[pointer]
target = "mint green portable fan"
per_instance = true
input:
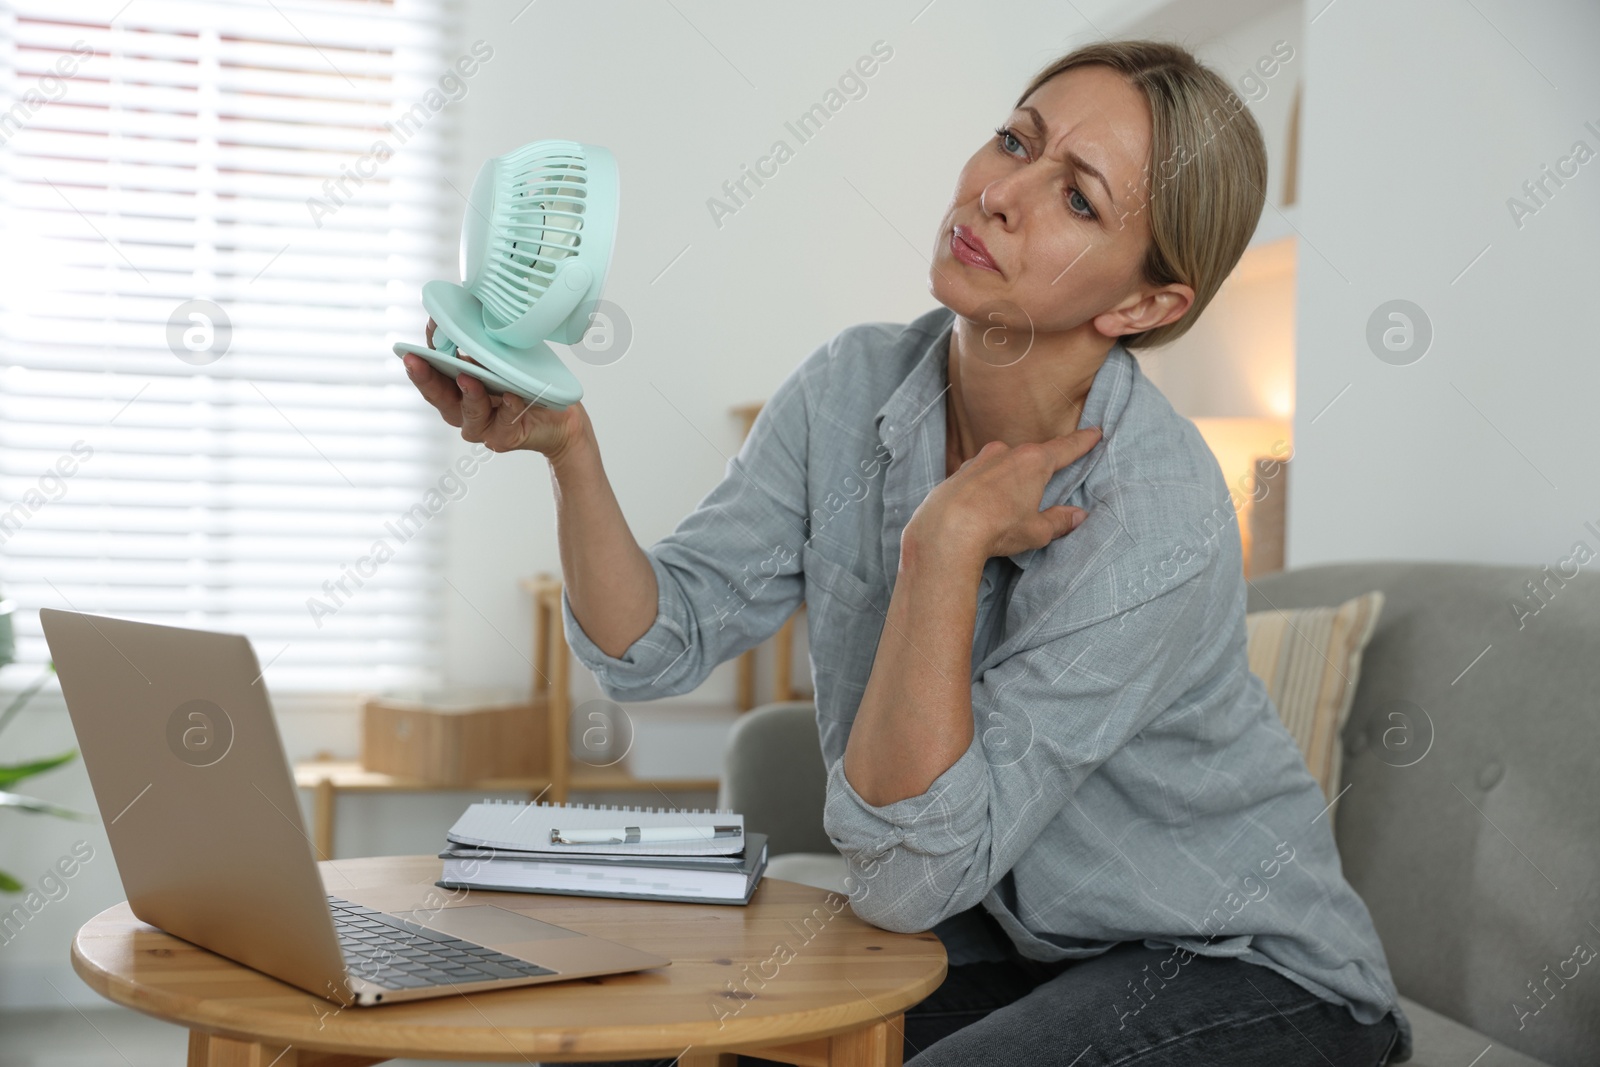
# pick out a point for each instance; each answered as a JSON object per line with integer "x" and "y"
{"x": 535, "y": 244}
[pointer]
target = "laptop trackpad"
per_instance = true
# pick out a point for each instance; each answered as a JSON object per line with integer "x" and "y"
{"x": 487, "y": 924}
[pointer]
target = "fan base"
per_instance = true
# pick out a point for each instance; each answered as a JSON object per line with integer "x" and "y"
{"x": 454, "y": 365}
{"x": 536, "y": 373}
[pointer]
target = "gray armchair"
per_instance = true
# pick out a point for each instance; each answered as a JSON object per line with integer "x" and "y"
{"x": 1468, "y": 821}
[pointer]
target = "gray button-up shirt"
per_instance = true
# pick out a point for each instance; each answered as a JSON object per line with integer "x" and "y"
{"x": 1128, "y": 776}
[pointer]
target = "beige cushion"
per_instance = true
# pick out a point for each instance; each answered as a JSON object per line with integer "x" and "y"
{"x": 1310, "y": 660}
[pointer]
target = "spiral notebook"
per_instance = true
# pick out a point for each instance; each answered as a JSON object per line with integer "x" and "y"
{"x": 526, "y": 827}
{"x": 701, "y": 879}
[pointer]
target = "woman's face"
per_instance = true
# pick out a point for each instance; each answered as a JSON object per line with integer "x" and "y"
{"x": 1058, "y": 203}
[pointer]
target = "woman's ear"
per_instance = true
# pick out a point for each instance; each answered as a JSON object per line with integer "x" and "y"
{"x": 1146, "y": 310}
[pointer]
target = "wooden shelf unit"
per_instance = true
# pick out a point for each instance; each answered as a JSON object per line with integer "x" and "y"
{"x": 782, "y": 642}
{"x": 328, "y": 776}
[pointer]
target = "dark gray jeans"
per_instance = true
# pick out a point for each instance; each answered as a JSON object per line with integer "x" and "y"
{"x": 1117, "y": 1008}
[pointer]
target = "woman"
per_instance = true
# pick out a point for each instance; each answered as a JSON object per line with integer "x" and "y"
{"x": 1026, "y": 609}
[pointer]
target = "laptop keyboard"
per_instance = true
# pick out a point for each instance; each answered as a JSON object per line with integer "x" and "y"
{"x": 389, "y": 952}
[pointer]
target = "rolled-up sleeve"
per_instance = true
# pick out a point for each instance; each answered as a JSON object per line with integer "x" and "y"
{"x": 663, "y": 643}
{"x": 1110, "y": 651}
{"x": 940, "y": 821}
{"x": 729, "y": 575}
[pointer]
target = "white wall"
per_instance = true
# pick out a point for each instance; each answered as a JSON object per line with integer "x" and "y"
{"x": 1421, "y": 119}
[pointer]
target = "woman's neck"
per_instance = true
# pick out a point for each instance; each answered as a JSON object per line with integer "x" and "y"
{"x": 1034, "y": 398}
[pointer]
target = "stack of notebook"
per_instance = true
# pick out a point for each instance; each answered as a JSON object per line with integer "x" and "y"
{"x": 599, "y": 850}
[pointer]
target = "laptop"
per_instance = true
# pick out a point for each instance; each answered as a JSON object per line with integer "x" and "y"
{"x": 200, "y": 806}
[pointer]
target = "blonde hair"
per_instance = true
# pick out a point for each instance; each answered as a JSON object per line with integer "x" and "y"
{"x": 1206, "y": 194}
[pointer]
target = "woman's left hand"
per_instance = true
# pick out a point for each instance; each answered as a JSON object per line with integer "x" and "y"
{"x": 990, "y": 505}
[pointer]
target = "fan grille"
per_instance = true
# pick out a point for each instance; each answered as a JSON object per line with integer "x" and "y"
{"x": 537, "y": 222}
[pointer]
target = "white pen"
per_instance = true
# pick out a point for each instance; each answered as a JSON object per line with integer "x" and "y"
{"x": 631, "y": 835}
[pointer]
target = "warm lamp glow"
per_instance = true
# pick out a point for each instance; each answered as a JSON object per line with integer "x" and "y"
{"x": 1236, "y": 443}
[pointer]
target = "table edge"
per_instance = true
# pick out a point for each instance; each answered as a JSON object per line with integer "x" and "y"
{"x": 659, "y": 1039}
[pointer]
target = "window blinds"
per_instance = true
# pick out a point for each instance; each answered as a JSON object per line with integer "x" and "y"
{"x": 216, "y": 219}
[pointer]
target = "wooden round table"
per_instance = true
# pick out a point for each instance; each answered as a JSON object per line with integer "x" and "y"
{"x": 793, "y": 976}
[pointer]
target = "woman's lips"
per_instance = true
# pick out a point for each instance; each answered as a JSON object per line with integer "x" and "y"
{"x": 965, "y": 246}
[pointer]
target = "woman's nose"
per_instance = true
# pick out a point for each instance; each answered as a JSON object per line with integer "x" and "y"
{"x": 997, "y": 200}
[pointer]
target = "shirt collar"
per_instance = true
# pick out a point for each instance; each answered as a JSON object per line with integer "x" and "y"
{"x": 911, "y": 423}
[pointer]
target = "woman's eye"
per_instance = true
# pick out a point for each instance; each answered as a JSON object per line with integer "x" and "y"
{"x": 1079, "y": 203}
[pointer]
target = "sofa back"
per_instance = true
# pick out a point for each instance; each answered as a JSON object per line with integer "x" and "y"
{"x": 773, "y": 775}
{"x": 1470, "y": 818}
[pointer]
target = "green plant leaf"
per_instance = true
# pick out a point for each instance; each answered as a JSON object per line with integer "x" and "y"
{"x": 9, "y": 884}
{"x": 16, "y": 772}
{"x": 22, "y": 698}
{"x": 43, "y": 807}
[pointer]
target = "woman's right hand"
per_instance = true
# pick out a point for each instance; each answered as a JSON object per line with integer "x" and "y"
{"x": 504, "y": 422}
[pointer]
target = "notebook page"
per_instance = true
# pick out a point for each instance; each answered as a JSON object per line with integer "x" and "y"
{"x": 526, "y": 826}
